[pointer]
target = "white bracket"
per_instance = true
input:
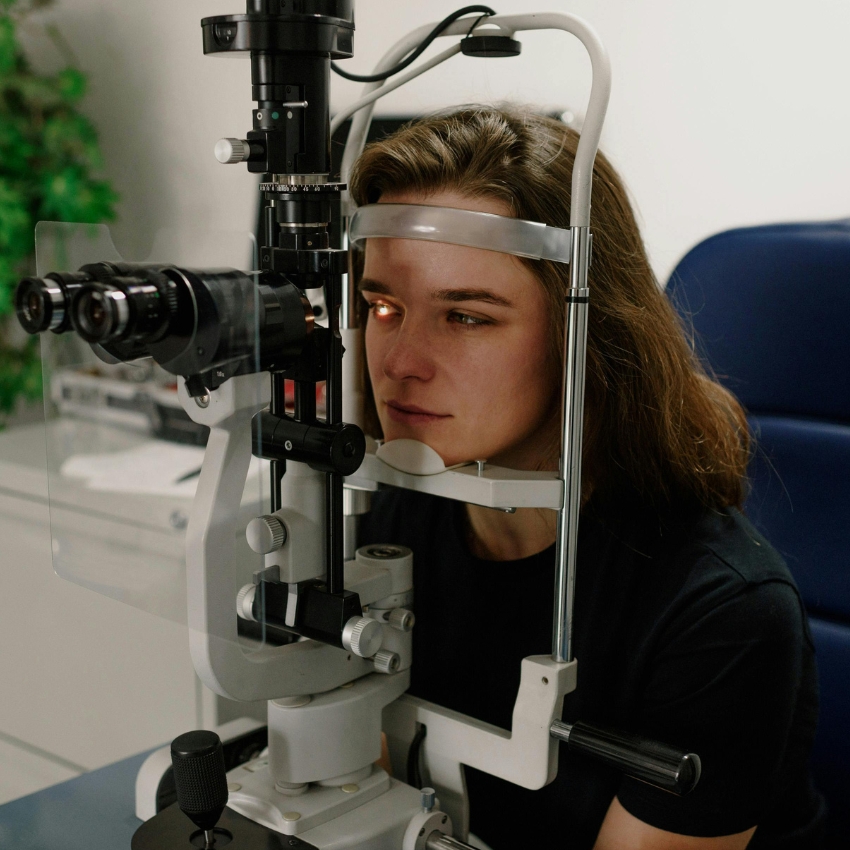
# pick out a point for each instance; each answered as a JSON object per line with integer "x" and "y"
{"x": 214, "y": 577}
{"x": 526, "y": 755}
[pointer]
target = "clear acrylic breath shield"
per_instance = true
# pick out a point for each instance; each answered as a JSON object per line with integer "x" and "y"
{"x": 123, "y": 456}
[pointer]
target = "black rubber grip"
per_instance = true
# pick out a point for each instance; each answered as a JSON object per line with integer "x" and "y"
{"x": 200, "y": 776}
{"x": 658, "y": 764}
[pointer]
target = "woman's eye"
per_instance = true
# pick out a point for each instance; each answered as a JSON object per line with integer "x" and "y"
{"x": 381, "y": 310}
{"x": 466, "y": 319}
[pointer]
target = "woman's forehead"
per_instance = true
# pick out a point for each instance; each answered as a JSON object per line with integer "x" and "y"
{"x": 447, "y": 198}
{"x": 411, "y": 265}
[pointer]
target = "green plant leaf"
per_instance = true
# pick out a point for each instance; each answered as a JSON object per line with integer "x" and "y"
{"x": 72, "y": 84}
{"x": 71, "y": 196}
{"x": 15, "y": 222}
{"x": 16, "y": 148}
{"x": 49, "y": 156}
{"x": 70, "y": 136}
{"x": 32, "y": 93}
{"x": 8, "y": 282}
{"x": 8, "y": 45}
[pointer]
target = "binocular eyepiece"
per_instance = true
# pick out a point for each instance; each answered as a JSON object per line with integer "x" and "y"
{"x": 189, "y": 321}
{"x": 42, "y": 303}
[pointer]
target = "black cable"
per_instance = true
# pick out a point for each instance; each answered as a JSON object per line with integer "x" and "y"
{"x": 414, "y": 775}
{"x": 484, "y": 12}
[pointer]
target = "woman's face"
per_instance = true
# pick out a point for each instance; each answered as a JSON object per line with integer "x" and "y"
{"x": 456, "y": 343}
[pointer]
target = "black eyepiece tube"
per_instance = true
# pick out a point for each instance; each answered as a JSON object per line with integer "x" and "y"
{"x": 43, "y": 303}
{"x": 661, "y": 765}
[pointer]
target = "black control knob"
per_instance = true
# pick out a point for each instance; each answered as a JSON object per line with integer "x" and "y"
{"x": 199, "y": 774}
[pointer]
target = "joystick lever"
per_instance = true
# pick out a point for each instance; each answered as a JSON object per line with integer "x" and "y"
{"x": 661, "y": 765}
{"x": 199, "y": 775}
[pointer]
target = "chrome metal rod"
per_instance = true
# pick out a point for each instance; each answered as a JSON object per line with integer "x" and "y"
{"x": 572, "y": 422}
{"x": 438, "y": 841}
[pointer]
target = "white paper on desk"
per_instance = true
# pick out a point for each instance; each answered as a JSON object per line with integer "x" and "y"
{"x": 153, "y": 468}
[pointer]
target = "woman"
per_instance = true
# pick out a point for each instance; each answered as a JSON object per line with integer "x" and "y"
{"x": 688, "y": 627}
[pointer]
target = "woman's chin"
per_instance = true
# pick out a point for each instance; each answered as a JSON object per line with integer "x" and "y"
{"x": 446, "y": 449}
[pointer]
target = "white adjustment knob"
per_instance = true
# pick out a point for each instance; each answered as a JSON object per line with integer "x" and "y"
{"x": 401, "y": 619}
{"x": 385, "y": 661}
{"x": 362, "y": 636}
{"x": 265, "y": 534}
{"x": 228, "y": 151}
{"x": 245, "y": 602}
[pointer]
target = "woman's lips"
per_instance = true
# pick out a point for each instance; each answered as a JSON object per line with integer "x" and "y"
{"x": 410, "y": 414}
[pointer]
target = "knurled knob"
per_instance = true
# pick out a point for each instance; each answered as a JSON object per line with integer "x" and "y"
{"x": 228, "y": 151}
{"x": 385, "y": 661}
{"x": 199, "y": 776}
{"x": 401, "y": 619}
{"x": 363, "y": 636}
{"x": 245, "y": 602}
{"x": 265, "y": 534}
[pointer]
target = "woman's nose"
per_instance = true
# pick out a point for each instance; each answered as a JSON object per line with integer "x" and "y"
{"x": 410, "y": 355}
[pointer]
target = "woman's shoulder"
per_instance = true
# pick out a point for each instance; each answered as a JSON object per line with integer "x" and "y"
{"x": 688, "y": 564}
{"x": 726, "y": 544}
{"x": 727, "y": 538}
{"x": 723, "y": 570}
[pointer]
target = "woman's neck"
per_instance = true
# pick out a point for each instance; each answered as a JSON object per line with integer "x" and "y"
{"x": 497, "y": 536}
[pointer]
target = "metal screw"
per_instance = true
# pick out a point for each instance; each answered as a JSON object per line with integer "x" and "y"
{"x": 259, "y": 116}
{"x": 178, "y": 520}
{"x": 429, "y": 797}
{"x": 203, "y": 401}
{"x": 288, "y": 445}
{"x": 324, "y": 264}
{"x": 480, "y": 464}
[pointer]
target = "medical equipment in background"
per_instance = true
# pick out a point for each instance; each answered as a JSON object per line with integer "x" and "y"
{"x": 235, "y": 338}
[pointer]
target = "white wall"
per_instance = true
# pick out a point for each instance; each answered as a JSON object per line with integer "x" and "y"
{"x": 723, "y": 113}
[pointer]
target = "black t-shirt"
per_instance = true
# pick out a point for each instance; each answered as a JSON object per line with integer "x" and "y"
{"x": 687, "y": 629}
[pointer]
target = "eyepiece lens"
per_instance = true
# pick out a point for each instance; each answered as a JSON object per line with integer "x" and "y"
{"x": 33, "y": 306}
{"x": 93, "y": 316}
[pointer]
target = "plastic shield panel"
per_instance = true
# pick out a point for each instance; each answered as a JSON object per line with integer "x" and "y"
{"x": 124, "y": 457}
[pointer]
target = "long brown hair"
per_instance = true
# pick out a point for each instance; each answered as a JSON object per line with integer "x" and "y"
{"x": 656, "y": 421}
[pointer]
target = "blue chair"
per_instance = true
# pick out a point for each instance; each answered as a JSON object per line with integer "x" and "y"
{"x": 771, "y": 309}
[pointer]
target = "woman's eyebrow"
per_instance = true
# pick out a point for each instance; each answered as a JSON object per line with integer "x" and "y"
{"x": 460, "y": 295}
{"x": 455, "y": 296}
{"x": 366, "y": 284}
